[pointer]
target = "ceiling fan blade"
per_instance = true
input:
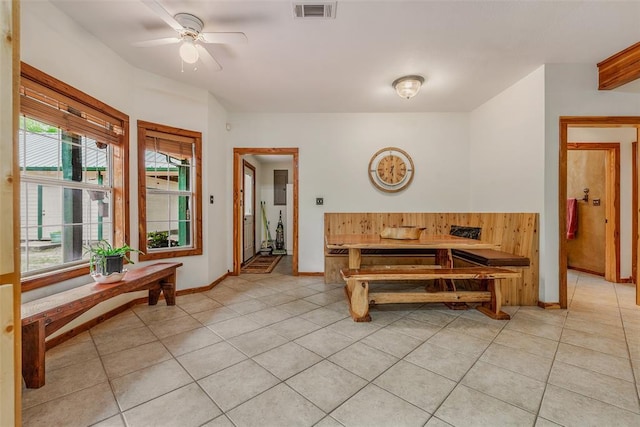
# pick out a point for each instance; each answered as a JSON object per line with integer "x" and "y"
{"x": 225, "y": 38}
{"x": 208, "y": 60}
{"x": 163, "y": 14}
{"x": 157, "y": 42}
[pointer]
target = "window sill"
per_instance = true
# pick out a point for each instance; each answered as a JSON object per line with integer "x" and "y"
{"x": 169, "y": 253}
{"x": 51, "y": 278}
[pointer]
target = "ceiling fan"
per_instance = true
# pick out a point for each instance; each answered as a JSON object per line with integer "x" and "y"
{"x": 190, "y": 35}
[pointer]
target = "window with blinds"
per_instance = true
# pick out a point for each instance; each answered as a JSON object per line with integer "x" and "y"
{"x": 71, "y": 159}
{"x": 169, "y": 191}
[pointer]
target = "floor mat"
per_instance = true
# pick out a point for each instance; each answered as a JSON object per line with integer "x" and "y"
{"x": 261, "y": 264}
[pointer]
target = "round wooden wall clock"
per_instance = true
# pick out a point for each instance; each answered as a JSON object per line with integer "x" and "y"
{"x": 391, "y": 169}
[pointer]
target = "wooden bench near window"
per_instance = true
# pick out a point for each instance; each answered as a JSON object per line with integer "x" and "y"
{"x": 42, "y": 317}
{"x": 359, "y": 295}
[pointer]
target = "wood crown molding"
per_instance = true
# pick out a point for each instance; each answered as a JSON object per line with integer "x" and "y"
{"x": 619, "y": 69}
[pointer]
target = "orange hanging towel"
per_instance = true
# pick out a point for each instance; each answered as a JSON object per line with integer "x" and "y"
{"x": 572, "y": 218}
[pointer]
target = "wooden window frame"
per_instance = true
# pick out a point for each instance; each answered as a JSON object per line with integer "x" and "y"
{"x": 30, "y": 76}
{"x": 170, "y": 252}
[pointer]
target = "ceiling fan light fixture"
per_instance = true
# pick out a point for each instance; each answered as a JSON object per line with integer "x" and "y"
{"x": 188, "y": 51}
{"x": 408, "y": 86}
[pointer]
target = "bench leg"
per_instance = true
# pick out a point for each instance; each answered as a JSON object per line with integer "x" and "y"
{"x": 33, "y": 349}
{"x": 169, "y": 291}
{"x": 358, "y": 298}
{"x": 493, "y": 308}
{"x": 154, "y": 294}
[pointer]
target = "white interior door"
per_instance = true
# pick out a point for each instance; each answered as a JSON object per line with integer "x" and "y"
{"x": 249, "y": 209}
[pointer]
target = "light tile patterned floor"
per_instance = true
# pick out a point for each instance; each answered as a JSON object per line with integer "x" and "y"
{"x": 278, "y": 350}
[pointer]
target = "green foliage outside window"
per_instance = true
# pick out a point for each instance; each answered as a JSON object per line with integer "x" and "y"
{"x": 160, "y": 239}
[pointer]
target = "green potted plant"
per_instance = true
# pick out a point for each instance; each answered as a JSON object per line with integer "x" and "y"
{"x": 106, "y": 262}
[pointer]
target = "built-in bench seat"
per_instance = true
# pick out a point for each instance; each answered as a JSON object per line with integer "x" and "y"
{"x": 360, "y": 295}
{"x": 491, "y": 258}
{"x": 44, "y": 316}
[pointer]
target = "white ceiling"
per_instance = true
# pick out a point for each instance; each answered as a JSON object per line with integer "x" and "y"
{"x": 468, "y": 51}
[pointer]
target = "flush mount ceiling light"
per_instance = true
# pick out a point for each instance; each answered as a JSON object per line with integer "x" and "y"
{"x": 408, "y": 86}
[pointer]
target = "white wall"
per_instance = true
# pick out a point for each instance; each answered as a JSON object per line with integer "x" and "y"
{"x": 93, "y": 68}
{"x": 570, "y": 90}
{"x": 335, "y": 150}
{"x": 218, "y": 218}
{"x": 507, "y": 152}
{"x": 625, "y": 136}
{"x": 507, "y": 149}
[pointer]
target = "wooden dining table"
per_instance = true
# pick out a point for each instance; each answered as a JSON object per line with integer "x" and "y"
{"x": 441, "y": 243}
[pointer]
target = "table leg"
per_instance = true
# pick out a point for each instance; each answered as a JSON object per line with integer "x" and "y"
{"x": 445, "y": 260}
{"x": 355, "y": 258}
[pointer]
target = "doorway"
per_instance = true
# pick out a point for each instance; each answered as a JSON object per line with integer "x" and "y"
{"x": 248, "y": 209}
{"x": 565, "y": 124}
{"x": 238, "y": 212}
{"x": 596, "y": 246}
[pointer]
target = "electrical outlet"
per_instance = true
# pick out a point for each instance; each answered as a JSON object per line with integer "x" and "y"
{"x": 596, "y": 202}
{"x": 211, "y": 199}
{"x": 319, "y": 201}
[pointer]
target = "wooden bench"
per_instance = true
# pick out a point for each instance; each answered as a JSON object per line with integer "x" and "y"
{"x": 359, "y": 297}
{"x": 42, "y": 317}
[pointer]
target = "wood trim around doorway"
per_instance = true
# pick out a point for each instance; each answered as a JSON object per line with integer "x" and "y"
{"x": 237, "y": 211}
{"x": 248, "y": 165}
{"x": 564, "y": 124}
{"x": 634, "y": 211}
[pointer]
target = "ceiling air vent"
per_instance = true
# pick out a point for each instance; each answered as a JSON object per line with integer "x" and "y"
{"x": 316, "y": 9}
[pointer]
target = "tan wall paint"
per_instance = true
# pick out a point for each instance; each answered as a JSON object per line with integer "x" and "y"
{"x": 586, "y": 169}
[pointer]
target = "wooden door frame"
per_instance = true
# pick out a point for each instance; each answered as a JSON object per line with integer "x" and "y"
{"x": 565, "y": 123}
{"x": 246, "y": 164}
{"x": 237, "y": 211}
{"x": 10, "y": 290}
{"x": 634, "y": 212}
{"x": 612, "y": 210}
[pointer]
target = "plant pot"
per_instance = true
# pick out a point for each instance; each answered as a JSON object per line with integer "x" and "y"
{"x": 56, "y": 236}
{"x": 111, "y": 278}
{"x": 109, "y": 264}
